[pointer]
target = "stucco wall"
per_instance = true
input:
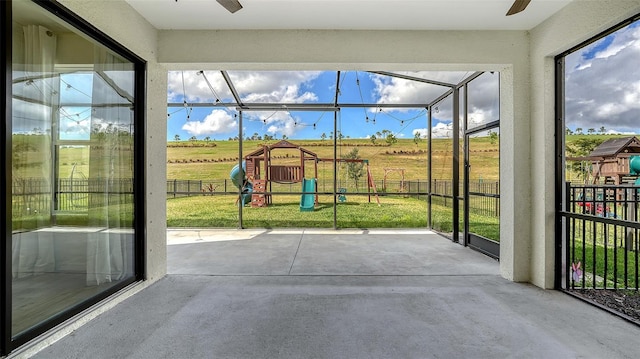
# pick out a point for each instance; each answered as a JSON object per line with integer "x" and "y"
{"x": 576, "y": 23}
{"x": 118, "y": 20}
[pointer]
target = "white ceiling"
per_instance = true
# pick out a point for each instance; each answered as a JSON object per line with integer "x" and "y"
{"x": 346, "y": 14}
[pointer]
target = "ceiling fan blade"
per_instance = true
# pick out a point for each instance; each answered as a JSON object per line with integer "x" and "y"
{"x": 518, "y": 6}
{"x": 231, "y": 5}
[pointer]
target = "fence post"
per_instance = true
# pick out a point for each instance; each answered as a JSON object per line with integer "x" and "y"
{"x": 633, "y": 216}
{"x": 175, "y": 187}
{"x": 497, "y": 199}
{"x": 445, "y": 193}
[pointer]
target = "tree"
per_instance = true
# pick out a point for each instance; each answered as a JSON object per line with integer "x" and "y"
{"x": 591, "y": 131}
{"x": 391, "y": 139}
{"x": 176, "y": 138}
{"x": 192, "y": 138}
{"x": 323, "y": 136}
{"x": 331, "y": 135}
{"x": 207, "y": 138}
{"x": 284, "y": 137}
{"x": 568, "y": 131}
{"x": 416, "y": 138}
{"x": 355, "y": 170}
{"x": 373, "y": 139}
{"x": 581, "y": 148}
{"x": 578, "y": 131}
{"x": 603, "y": 130}
{"x": 493, "y": 137}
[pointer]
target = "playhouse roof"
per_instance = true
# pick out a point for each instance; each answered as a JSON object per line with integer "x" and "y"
{"x": 280, "y": 144}
{"x": 614, "y": 146}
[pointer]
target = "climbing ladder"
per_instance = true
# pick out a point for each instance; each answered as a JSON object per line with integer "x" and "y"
{"x": 260, "y": 199}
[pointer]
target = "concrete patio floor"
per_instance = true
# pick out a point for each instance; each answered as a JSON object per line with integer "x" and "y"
{"x": 342, "y": 294}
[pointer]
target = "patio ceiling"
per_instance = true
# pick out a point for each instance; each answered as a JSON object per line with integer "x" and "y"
{"x": 346, "y": 14}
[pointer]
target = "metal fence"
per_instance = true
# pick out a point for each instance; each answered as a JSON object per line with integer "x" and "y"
{"x": 601, "y": 230}
{"x": 484, "y": 197}
{"x": 37, "y": 195}
{"x": 31, "y": 196}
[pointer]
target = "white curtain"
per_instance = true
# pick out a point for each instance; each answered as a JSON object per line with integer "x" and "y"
{"x": 106, "y": 254}
{"x": 107, "y": 251}
{"x": 32, "y": 252}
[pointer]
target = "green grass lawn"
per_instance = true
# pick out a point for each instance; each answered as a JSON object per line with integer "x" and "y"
{"x": 284, "y": 212}
{"x": 609, "y": 265}
{"x": 220, "y": 211}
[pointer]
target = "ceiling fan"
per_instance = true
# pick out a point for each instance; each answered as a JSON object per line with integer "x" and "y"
{"x": 231, "y": 5}
{"x": 234, "y": 5}
{"x": 518, "y": 6}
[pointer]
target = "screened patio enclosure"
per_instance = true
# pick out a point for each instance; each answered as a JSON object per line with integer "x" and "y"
{"x": 598, "y": 171}
{"x": 452, "y": 175}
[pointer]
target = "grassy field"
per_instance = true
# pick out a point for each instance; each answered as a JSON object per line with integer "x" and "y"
{"x": 214, "y": 160}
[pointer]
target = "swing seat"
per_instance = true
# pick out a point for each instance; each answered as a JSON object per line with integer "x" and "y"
{"x": 341, "y": 196}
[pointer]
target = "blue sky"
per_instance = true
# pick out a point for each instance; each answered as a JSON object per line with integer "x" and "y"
{"x": 356, "y": 87}
{"x": 603, "y": 84}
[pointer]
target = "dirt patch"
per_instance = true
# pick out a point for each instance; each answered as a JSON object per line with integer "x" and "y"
{"x": 626, "y": 302}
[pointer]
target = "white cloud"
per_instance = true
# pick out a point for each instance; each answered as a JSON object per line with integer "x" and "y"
{"x": 479, "y": 116}
{"x": 217, "y": 122}
{"x": 603, "y": 84}
{"x": 285, "y": 94}
{"x": 274, "y": 86}
{"x": 424, "y": 132}
{"x": 252, "y": 86}
{"x": 286, "y": 126}
{"x": 390, "y": 90}
{"x": 72, "y": 126}
{"x": 193, "y": 87}
{"x": 442, "y": 130}
{"x": 614, "y": 132}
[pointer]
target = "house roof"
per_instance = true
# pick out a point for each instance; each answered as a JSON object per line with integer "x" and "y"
{"x": 614, "y": 146}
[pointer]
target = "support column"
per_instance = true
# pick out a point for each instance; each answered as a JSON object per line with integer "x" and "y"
{"x": 515, "y": 174}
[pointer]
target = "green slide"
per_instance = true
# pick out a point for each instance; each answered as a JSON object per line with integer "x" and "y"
{"x": 634, "y": 168}
{"x": 307, "y": 201}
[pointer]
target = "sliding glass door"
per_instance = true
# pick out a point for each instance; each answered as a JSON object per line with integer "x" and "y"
{"x": 72, "y": 125}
